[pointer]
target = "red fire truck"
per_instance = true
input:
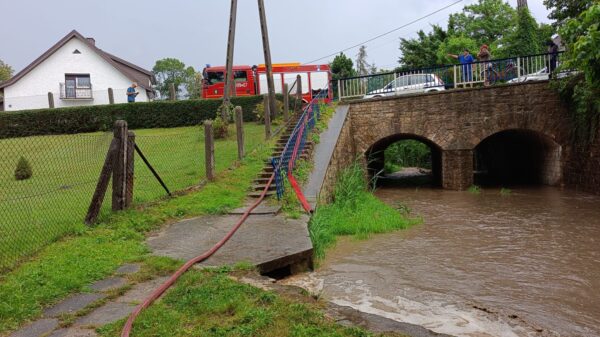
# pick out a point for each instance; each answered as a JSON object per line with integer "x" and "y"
{"x": 252, "y": 80}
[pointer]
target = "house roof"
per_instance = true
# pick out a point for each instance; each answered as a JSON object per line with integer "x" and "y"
{"x": 130, "y": 70}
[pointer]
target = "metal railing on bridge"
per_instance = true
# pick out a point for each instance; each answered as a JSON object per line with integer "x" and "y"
{"x": 508, "y": 70}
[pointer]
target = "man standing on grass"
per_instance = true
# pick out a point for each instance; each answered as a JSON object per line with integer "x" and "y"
{"x": 131, "y": 93}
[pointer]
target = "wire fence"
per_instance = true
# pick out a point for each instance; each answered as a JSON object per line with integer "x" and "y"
{"x": 47, "y": 182}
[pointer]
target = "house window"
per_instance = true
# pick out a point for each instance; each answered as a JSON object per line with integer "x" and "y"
{"x": 77, "y": 86}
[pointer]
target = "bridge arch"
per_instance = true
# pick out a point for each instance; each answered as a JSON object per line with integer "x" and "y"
{"x": 375, "y": 154}
{"x": 518, "y": 157}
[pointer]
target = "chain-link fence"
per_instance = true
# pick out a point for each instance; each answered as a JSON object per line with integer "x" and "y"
{"x": 47, "y": 182}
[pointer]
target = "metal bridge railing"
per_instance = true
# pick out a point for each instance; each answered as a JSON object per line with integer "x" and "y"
{"x": 446, "y": 77}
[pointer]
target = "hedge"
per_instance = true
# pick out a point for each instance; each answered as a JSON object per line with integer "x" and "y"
{"x": 142, "y": 115}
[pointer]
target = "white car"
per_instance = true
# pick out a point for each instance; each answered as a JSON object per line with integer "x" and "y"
{"x": 409, "y": 84}
{"x": 540, "y": 75}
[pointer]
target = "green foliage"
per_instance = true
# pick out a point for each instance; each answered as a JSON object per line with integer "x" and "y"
{"x": 455, "y": 45}
{"x": 23, "y": 170}
{"x": 143, "y": 115}
{"x": 342, "y": 67}
{"x": 562, "y": 10}
{"x": 193, "y": 85}
{"x": 6, "y": 71}
{"x": 220, "y": 128}
{"x": 487, "y": 21}
{"x": 474, "y": 189}
{"x": 354, "y": 211}
{"x": 505, "y": 192}
{"x": 407, "y": 153}
{"x": 525, "y": 40}
{"x": 362, "y": 65}
{"x": 172, "y": 71}
{"x": 422, "y": 51}
{"x": 259, "y": 111}
{"x": 582, "y": 38}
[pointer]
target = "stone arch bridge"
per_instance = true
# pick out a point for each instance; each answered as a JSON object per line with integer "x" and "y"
{"x": 518, "y": 133}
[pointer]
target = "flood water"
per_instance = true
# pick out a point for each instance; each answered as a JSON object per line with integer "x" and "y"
{"x": 522, "y": 264}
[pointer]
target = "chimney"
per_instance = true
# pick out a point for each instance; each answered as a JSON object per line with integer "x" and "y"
{"x": 521, "y": 3}
{"x": 93, "y": 42}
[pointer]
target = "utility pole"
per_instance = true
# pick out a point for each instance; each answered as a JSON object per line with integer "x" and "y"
{"x": 229, "y": 84}
{"x": 521, "y": 4}
{"x": 267, "y": 51}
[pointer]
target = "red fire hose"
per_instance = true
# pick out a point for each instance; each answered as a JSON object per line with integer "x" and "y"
{"x": 158, "y": 292}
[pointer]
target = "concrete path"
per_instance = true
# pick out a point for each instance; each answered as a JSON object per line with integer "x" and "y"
{"x": 322, "y": 154}
{"x": 268, "y": 241}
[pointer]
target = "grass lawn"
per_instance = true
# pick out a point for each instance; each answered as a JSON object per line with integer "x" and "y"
{"x": 210, "y": 303}
{"x": 54, "y": 201}
{"x": 90, "y": 254}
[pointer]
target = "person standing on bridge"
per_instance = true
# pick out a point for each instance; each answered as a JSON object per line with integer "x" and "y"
{"x": 484, "y": 56}
{"x": 466, "y": 59}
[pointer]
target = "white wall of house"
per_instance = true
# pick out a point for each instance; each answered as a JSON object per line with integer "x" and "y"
{"x": 31, "y": 91}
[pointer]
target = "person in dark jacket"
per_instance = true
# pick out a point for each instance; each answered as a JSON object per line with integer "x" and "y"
{"x": 552, "y": 57}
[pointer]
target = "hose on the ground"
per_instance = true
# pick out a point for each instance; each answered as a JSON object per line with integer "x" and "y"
{"x": 158, "y": 292}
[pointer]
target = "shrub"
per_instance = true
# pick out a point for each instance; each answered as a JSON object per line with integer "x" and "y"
{"x": 142, "y": 115}
{"x": 259, "y": 111}
{"x": 23, "y": 170}
{"x": 220, "y": 128}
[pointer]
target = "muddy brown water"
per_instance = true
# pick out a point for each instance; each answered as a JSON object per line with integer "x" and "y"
{"x": 523, "y": 264}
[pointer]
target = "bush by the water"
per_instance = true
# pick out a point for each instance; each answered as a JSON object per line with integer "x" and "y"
{"x": 23, "y": 170}
{"x": 142, "y": 115}
{"x": 407, "y": 153}
{"x": 354, "y": 211}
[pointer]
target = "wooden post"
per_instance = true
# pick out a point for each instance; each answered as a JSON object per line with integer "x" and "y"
{"x": 51, "y": 100}
{"x": 229, "y": 83}
{"x": 209, "y": 150}
{"x": 286, "y": 103}
{"x": 267, "y": 117}
{"x": 111, "y": 96}
{"x": 239, "y": 128}
{"x": 172, "y": 95}
{"x": 299, "y": 91}
{"x": 120, "y": 167}
{"x": 102, "y": 184}
{"x": 267, "y": 53}
{"x": 130, "y": 168}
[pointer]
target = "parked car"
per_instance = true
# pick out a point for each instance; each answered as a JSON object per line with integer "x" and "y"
{"x": 409, "y": 84}
{"x": 540, "y": 75}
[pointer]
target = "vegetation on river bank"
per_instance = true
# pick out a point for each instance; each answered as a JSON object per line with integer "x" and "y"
{"x": 354, "y": 211}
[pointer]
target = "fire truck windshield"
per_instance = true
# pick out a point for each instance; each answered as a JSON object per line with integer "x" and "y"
{"x": 215, "y": 77}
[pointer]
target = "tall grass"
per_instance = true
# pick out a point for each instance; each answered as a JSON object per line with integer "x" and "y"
{"x": 354, "y": 211}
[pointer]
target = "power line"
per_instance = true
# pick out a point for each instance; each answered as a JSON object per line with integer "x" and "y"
{"x": 386, "y": 33}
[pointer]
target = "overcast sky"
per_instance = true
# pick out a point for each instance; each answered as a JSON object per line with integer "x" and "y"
{"x": 195, "y": 31}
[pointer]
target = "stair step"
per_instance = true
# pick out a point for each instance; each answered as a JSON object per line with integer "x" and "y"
{"x": 260, "y": 187}
{"x": 258, "y": 194}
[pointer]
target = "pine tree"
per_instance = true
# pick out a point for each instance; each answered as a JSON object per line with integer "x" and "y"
{"x": 23, "y": 170}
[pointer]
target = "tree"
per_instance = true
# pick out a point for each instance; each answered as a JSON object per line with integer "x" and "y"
{"x": 525, "y": 40}
{"x": 487, "y": 21}
{"x": 422, "y": 51}
{"x": 562, "y": 10}
{"x": 342, "y": 67}
{"x": 193, "y": 84}
{"x": 362, "y": 66}
{"x": 6, "y": 71}
{"x": 171, "y": 70}
{"x": 455, "y": 45}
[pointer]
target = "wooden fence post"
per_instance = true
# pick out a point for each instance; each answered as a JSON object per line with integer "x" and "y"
{"x": 172, "y": 95}
{"x": 299, "y": 91}
{"x": 102, "y": 184}
{"x": 130, "y": 172}
{"x": 209, "y": 151}
{"x": 120, "y": 167}
{"x": 239, "y": 127}
{"x": 50, "y": 100}
{"x": 267, "y": 116}
{"x": 111, "y": 96}
{"x": 286, "y": 102}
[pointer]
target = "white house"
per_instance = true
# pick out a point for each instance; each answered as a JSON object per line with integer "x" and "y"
{"x": 76, "y": 72}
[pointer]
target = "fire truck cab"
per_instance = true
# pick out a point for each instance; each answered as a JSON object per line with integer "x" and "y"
{"x": 252, "y": 80}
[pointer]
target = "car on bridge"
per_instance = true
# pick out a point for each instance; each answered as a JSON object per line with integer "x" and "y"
{"x": 409, "y": 84}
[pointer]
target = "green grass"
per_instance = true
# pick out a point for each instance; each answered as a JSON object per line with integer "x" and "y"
{"x": 505, "y": 192}
{"x": 90, "y": 254}
{"x": 474, "y": 189}
{"x": 53, "y": 203}
{"x": 210, "y": 303}
{"x": 354, "y": 211}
